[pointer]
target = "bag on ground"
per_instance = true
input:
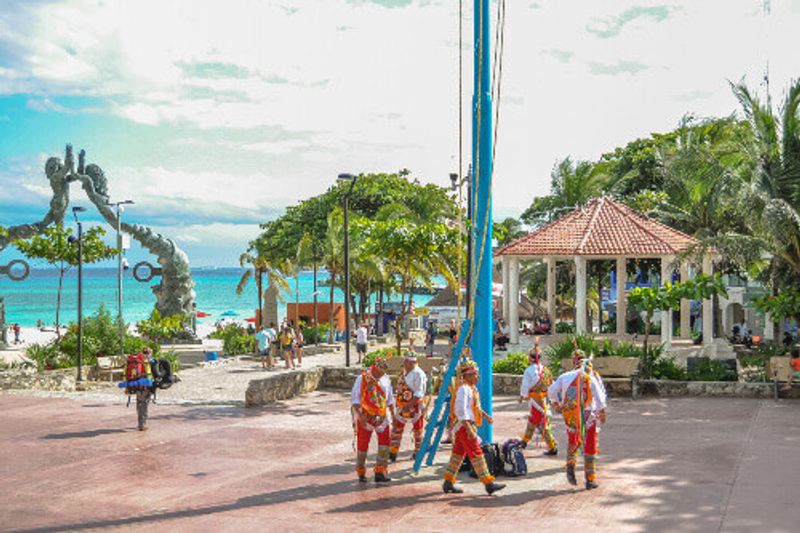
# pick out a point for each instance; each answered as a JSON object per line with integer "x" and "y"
{"x": 491, "y": 453}
{"x": 514, "y": 459}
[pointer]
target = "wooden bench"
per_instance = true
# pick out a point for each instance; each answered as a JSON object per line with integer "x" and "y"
{"x": 111, "y": 368}
{"x": 620, "y": 374}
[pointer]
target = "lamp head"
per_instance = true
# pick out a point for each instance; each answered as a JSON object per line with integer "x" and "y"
{"x": 454, "y": 180}
{"x": 346, "y": 177}
{"x": 78, "y": 209}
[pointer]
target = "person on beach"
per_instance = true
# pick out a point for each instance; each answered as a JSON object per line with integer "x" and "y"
{"x": 372, "y": 402}
{"x": 361, "y": 341}
{"x": 287, "y": 339}
{"x": 535, "y": 382}
{"x": 581, "y": 397}
{"x": 409, "y": 405}
{"x": 466, "y": 405}
{"x": 17, "y": 331}
{"x": 298, "y": 344}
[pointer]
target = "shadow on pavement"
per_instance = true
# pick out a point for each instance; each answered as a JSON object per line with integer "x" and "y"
{"x": 84, "y": 434}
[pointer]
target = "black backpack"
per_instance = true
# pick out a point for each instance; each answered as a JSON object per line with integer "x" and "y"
{"x": 163, "y": 378}
{"x": 514, "y": 459}
{"x": 494, "y": 462}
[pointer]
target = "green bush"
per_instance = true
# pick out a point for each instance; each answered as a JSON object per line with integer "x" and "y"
{"x": 310, "y": 335}
{"x": 172, "y": 357}
{"x": 667, "y": 368}
{"x": 565, "y": 327}
{"x": 381, "y": 352}
{"x": 236, "y": 340}
{"x": 772, "y": 350}
{"x": 44, "y": 356}
{"x": 752, "y": 360}
{"x": 707, "y": 369}
{"x": 513, "y": 363}
{"x": 162, "y": 329}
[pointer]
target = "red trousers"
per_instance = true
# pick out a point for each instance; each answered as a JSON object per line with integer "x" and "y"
{"x": 464, "y": 444}
{"x": 590, "y": 441}
{"x": 365, "y": 435}
{"x": 536, "y": 418}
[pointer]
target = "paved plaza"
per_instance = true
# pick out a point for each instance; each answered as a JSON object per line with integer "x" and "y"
{"x": 77, "y": 463}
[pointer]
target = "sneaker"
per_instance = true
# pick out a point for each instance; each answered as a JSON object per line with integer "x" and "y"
{"x": 571, "y": 475}
{"x": 414, "y": 456}
{"x": 448, "y": 488}
{"x": 591, "y": 485}
{"x": 362, "y": 479}
{"x": 143, "y": 428}
{"x": 382, "y": 478}
{"x": 554, "y": 451}
{"x": 393, "y": 457}
{"x": 493, "y": 487}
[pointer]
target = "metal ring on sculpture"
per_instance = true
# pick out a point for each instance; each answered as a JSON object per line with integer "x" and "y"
{"x": 151, "y": 272}
{"x": 9, "y": 269}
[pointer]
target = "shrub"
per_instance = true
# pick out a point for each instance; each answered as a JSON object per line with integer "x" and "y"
{"x": 44, "y": 356}
{"x": 772, "y": 350}
{"x": 236, "y": 340}
{"x": 705, "y": 369}
{"x": 161, "y": 329}
{"x": 381, "y": 352}
{"x": 513, "y": 363}
{"x": 172, "y": 357}
{"x": 565, "y": 327}
{"x": 310, "y": 335}
{"x": 667, "y": 368}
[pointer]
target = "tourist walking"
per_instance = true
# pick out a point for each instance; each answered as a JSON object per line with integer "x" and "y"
{"x": 299, "y": 342}
{"x": 535, "y": 382}
{"x": 581, "y": 397}
{"x": 362, "y": 337}
{"x": 466, "y": 405}
{"x": 264, "y": 338}
{"x": 409, "y": 405}
{"x": 287, "y": 349}
{"x": 372, "y": 401}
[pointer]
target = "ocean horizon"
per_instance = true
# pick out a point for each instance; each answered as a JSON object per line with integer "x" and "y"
{"x": 34, "y": 298}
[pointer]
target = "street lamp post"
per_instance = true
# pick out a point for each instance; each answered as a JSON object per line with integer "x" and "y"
{"x": 352, "y": 179}
{"x": 75, "y": 211}
{"x": 120, "y": 209}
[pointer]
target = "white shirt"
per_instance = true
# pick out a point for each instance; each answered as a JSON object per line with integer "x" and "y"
{"x": 417, "y": 381}
{"x": 463, "y": 405}
{"x": 506, "y": 330}
{"x": 558, "y": 390}
{"x": 385, "y": 383}
{"x": 529, "y": 379}
{"x": 361, "y": 335}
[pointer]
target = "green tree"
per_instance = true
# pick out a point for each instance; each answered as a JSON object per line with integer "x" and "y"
{"x": 507, "y": 231}
{"x": 572, "y": 184}
{"x": 257, "y": 265}
{"x": 667, "y": 297}
{"x": 53, "y": 246}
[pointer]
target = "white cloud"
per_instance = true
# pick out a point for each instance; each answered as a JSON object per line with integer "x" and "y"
{"x": 580, "y": 78}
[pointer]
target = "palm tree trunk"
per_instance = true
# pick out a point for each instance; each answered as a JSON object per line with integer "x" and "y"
{"x": 379, "y": 328}
{"x": 260, "y": 291}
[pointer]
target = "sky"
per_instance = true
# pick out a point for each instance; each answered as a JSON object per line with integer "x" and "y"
{"x": 214, "y": 116}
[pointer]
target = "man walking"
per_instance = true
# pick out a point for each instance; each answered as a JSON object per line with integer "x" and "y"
{"x": 409, "y": 405}
{"x": 466, "y": 406}
{"x": 371, "y": 398}
{"x": 362, "y": 336}
{"x": 581, "y": 397}
{"x": 535, "y": 382}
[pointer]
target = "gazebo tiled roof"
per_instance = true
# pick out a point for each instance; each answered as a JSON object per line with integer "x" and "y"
{"x": 603, "y": 227}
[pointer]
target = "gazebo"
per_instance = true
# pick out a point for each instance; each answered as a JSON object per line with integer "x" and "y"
{"x": 603, "y": 229}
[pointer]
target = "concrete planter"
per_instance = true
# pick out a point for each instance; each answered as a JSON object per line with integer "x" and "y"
{"x": 719, "y": 389}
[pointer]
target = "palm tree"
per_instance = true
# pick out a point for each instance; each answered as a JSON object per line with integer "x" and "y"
{"x": 572, "y": 184}
{"x": 773, "y": 194}
{"x": 257, "y": 266}
{"x": 333, "y": 257}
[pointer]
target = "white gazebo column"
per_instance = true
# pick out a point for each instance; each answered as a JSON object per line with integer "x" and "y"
{"x": 666, "y": 316}
{"x": 513, "y": 300}
{"x": 580, "y": 294}
{"x": 622, "y": 299}
{"x": 551, "y": 291}
{"x": 686, "y": 306}
{"x": 708, "y": 313}
{"x": 506, "y": 288}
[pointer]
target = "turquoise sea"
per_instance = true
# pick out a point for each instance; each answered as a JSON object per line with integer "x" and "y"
{"x": 35, "y": 298}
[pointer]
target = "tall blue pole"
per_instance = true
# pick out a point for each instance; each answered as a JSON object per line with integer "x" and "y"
{"x": 481, "y": 341}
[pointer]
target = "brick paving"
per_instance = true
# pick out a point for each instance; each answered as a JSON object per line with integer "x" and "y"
{"x": 667, "y": 465}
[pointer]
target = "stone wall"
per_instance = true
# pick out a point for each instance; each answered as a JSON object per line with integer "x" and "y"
{"x": 50, "y": 380}
{"x": 282, "y": 386}
{"x": 724, "y": 389}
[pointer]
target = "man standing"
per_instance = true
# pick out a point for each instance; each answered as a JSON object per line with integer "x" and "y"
{"x": 143, "y": 391}
{"x": 362, "y": 335}
{"x": 264, "y": 338}
{"x": 466, "y": 405}
{"x": 581, "y": 396}
{"x": 409, "y": 405}
{"x": 371, "y": 398}
{"x": 535, "y": 381}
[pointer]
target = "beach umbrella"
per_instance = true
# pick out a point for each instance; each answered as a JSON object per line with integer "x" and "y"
{"x": 253, "y": 320}
{"x": 202, "y": 314}
{"x": 230, "y": 313}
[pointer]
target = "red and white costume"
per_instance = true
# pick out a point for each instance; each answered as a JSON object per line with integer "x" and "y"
{"x": 371, "y": 398}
